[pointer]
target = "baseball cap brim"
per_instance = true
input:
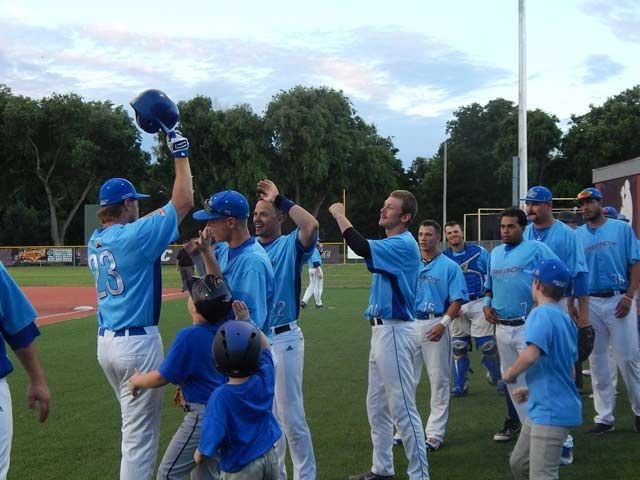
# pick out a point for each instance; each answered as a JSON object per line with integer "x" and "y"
{"x": 534, "y": 200}
{"x": 203, "y": 215}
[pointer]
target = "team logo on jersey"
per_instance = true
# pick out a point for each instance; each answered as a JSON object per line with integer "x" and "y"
{"x": 98, "y": 242}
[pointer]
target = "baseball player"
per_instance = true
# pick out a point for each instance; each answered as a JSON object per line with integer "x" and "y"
{"x": 441, "y": 292}
{"x": 184, "y": 265}
{"x": 238, "y": 421}
{"x": 612, "y": 254}
{"x": 553, "y": 401}
{"x": 18, "y": 329}
{"x": 188, "y": 364}
{"x": 316, "y": 279}
{"x": 474, "y": 262}
{"x": 287, "y": 254}
{"x": 508, "y": 301}
{"x": 563, "y": 241}
{"x": 124, "y": 257}
{"x": 395, "y": 264}
{"x": 241, "y": 261}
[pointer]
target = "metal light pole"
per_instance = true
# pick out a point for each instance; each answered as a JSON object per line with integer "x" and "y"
{"x": 522, "y": 100}
{"x": 444, "y": 189}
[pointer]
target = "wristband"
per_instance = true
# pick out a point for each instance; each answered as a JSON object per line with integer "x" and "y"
{"x": 283, "y": 203}
{"x": 488, "y": 301}
{"x": 446, "y": 320}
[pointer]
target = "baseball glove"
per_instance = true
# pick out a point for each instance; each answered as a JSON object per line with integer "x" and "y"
{"x": 178, "y": 399}
{"x": 586, "y": 337}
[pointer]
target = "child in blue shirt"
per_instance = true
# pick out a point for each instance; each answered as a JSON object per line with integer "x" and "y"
{"x": 238, "y": 421}
{"x": 553, "y": 402}
{"x": 188, "y": 364}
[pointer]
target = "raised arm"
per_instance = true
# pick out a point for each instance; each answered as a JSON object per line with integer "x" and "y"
{"x": 306, "y": 223}
{"x": 182, "y": 193}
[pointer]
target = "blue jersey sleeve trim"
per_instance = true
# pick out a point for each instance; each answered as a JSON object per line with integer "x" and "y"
{"x": 23, "y": 338}
{"x": 581, "y": 284}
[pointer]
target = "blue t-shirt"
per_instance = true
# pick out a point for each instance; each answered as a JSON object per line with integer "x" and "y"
{"x": 17, "y": 320}
{"x": 125, "y": 262}
{"x": 188, "y": 362}
{"x": 474, "y": 262}
{"x": 511, "y": 275}
{"x": 610, "y": 250}
{"x": 553, "y": 398}
{"x": 239, "y": 421}
{"x": 249, "y": 275}
{"x": 287, "y": 256}
{"x": 395, "y": 263}
{"x": 315, "y": 260}
{"x": 439, "y": 284}
{"x": 563, "y": 241}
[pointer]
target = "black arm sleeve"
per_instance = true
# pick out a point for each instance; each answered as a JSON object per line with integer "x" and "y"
{"x": 357, "y": 242}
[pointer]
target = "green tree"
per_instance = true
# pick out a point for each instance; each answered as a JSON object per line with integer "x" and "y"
{"x": 605, "y": 135}
{"x": 69, "y": 146}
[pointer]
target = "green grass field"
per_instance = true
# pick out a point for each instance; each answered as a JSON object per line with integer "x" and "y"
{"x": 81, "y": 439}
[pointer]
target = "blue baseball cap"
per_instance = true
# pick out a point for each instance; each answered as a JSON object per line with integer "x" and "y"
{"x": 538, "y": 194}
{"x": 610, "y": 212}
{"x": 589, "y": 193}
{"x": 552, "y": 272}
{"x": 116, "y": 190}
{"x": 227, "y": 204}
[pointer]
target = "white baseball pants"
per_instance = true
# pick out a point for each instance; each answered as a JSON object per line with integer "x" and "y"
{"x": 621, "y": 334}
{"x": 391, "y": 398}
{"x": 510, "y": 345}
{"x": 316, "y": 285}
{"x": 472, "y": 321}
{"x": 6, "y": 428}
{"x": 119, "y": 357}
{"x": 437, "y": 358}
{"x": 288, "y": 348}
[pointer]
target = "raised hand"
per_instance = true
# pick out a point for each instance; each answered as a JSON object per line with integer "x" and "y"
{"x": 267, "y": 190}
{"x": 178, "y": 145}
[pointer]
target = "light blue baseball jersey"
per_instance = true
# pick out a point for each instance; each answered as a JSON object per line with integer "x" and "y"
{"x": 564, "y": 242}
{"x": 17, "y": 320}
{"x": 249, "y": 275}
{"x": 287, "y": 256}
{"x": 440, "y": 283}
{"x": 511, "y": 275}
{"x": 610, "y": 250}
{"x": 474, "y": 262}
{"x": 125, "y": 262}
{"x": 316, "y": 259}
{"x": 553, "y": 398}
{"x": 395, "y": 264}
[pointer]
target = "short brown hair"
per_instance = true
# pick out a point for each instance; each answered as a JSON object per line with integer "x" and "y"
{"x": 552, "y": 291}
{"x": 409, "y": 203}
{"x": 433, "y": 224}
{"x": 110, "y": 212}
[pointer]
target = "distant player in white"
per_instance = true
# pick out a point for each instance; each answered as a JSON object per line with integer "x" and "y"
{"x": 441, "y": 292}
{"x": 611, "y": 249}
{"x": 391, "y": 395}
{"x": 316, "y": 279}
{"x": 474, "y": 262}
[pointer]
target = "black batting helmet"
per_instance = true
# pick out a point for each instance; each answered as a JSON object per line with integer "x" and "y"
{"x": 237, "y": 348}
{"x": 155, "y": 111}
{"x": 211, "y": 297}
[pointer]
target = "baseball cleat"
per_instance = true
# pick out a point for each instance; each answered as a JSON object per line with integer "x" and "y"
{"x": 397, "y": 440}
{"x": 601, "y": 429}
{"x": 566, "y": 458}
{"x": 303, "y": 305}
{"x": 508, "y": 432}
{"x": 370, "y": 476}
{"x": 320, "y": 306}
{"x": 433, "y": 444}
{"x": 458, "y": 391}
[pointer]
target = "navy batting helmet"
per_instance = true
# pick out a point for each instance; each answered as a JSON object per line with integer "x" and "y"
{"x": 211, "y": 297}
{"x": 237, "y": 348}
{"x": 155, "y": 111}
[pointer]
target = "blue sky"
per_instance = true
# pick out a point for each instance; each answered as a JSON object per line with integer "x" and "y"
{"x": 406, "y": 65}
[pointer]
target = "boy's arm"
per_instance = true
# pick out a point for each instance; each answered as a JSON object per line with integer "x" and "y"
{"x": 145, "y": 380}
{"x": 527, "y": 358}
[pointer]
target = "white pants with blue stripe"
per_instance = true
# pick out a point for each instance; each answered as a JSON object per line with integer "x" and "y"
{"x": 6, "y": 427}
{"x": 510, "y": 345}
{"x": 391, "y": 399}
{"x": 120, "y": 357}
{"x": 619, "y": 336}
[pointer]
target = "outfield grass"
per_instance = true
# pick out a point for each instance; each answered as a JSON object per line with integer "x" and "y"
{"x": 81, "y": 438}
